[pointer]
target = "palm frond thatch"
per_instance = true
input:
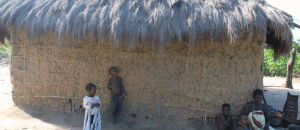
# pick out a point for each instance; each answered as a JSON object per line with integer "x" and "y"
{"x": 150, "y": 21}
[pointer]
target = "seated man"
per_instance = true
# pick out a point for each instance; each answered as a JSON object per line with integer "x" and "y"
{"x": 295, "y": 124}
{"x": 258, "y": 113}
{"x": 225, "y": 121}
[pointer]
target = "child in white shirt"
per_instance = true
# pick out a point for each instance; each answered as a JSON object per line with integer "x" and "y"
{"x": 91, "y": 103}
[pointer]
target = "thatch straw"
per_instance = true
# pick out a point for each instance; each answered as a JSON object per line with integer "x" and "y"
{"x": 3, "y": 34}
{"x": 150, "y": 21}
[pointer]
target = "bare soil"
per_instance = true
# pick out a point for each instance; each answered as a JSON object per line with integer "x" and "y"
{"x": 276, "y": 95}
{"x": 14, "y": 117}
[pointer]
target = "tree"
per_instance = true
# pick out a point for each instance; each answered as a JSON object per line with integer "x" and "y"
{"x": 290, "y": 67}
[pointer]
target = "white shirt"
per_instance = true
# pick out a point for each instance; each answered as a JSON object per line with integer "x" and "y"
{"x": 88, "y": 101}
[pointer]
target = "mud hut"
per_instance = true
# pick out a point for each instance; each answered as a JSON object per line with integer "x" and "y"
{"x": 177, "y": 58}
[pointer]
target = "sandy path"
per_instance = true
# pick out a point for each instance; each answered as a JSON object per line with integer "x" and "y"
{"x": 280, "y": 81}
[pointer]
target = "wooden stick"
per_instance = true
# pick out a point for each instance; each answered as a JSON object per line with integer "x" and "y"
{"x": 273, "y": 86}
{"x": 296, "y": 25}
{"x": 56, "y": 97}
{"x": 205, "y": 118}
{"x": 122, "y": 96}
{"x": 73, "y": 105}
{"x": 190, "y": 108}
{"x": 100, "y": 86}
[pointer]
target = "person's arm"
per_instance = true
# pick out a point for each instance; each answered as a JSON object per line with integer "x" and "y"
{"x": 267, "y": 118}
{"x": 86, "y": 105}
{"x": 89, "y": 106}
{"x": 95, "y": 105}
{"x": 246, "y": 109}
{"x": 229, "y": 119}
{"x": 122, "y": 86}
{"x": 225, "y": 122}
{"x": 296, "y": 122}
{"x": 278, "y": 114}
{"x": 221, "y": 125}
{"x": 232, "y": 122}
{"x": 109, "y": 85}
{"x": 98, "y": 100}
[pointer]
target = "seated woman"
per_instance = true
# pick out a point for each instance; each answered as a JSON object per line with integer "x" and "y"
{"x": 225, "y": 121}
{"x": 258, "y": 113}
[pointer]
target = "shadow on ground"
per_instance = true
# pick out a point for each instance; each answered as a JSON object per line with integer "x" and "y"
{"x": 74, "y": 121}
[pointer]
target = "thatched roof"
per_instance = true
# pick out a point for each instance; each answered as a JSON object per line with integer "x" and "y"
{"x": 150, "y": 21}
{"x": 3, "y": 34}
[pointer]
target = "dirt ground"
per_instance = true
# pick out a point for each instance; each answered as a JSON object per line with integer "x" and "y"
{"x": 14, "y": 117}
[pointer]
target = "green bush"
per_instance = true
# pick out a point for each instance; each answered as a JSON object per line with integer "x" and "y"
{"x": 272, "y": 67}
{"x": 6, "y": 49}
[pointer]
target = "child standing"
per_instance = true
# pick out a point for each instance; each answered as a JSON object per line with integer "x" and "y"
{"x": 115, "y": 85}
{"x": 91, "y": 103}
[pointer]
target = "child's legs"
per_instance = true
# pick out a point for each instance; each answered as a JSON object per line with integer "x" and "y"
{"x": 119, "y": 107}
{"x": 113, "y": 106}
{"x": 92, "y": 119}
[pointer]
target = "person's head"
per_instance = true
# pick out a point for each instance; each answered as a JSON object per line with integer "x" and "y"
{"x": 91, "y": 89}
{"x": 257, "y": 95}
{"x": 113, "y": 71}
{"x": 243, "y": 119}
{"x": 226, "y": 109}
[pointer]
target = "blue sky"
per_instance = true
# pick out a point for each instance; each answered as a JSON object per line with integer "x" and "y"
{"x": 291, "y": 7}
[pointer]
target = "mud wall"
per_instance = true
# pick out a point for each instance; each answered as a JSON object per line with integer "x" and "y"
{"x": 177, "y": 82}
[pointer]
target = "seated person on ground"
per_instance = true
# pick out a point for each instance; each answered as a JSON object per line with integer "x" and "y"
{"x": 295, "y": 124}
{"x": 258, "y": 114}
{"x": 225, "y": 121}
{"x": 243, "y": 122}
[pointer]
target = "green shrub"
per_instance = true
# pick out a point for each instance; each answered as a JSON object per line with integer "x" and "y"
{"x": 6, "y": 48}
{"x": 272, "y": 67}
